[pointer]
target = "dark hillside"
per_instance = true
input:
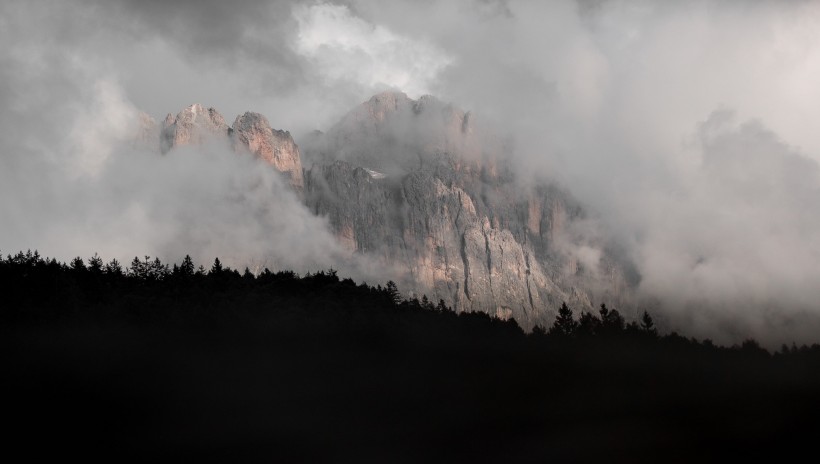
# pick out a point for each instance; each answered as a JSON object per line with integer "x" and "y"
{"x": 159, "y": 362}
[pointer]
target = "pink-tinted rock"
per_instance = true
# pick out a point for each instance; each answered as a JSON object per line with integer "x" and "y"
{"x": 252, "y": 132}
{"x": 193, "y": 125}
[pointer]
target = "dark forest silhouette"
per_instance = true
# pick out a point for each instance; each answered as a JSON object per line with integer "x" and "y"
{"x": 213, "y": 362}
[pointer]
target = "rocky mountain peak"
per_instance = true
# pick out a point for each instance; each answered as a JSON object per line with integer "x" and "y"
{"x": 395, "y": 134}
{"x": 252, "y": 132}
{"x": 379, "y": 106}
{"x": 193, "y": 125}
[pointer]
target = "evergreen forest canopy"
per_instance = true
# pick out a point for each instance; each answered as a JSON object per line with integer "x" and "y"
{"x": 203, "y": 361}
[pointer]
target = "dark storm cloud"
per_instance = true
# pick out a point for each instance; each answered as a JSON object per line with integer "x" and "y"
{"x": 168, "y": 55}
{"x": 209, "y": 29}
{"x": 240, "y": 49}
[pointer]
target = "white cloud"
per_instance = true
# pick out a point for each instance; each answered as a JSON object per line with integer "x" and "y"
{"x": 344, "y": 47}
{"x": 105, "y": 122}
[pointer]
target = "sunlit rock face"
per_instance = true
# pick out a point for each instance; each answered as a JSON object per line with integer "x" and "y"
{"x": 252, "y": 132}
{"x": 415, "y": 184}
{"x": 193, "y": 125}
{"x": 453, "y": 243}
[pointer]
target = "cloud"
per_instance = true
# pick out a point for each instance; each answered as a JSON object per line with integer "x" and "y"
{"x": 737, "y": 242}
{"x": 344, "y": 47}
{"x": 686, "y": 129}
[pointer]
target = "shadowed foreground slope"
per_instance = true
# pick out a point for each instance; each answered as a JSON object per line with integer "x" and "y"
{"x": 156, "y": 362}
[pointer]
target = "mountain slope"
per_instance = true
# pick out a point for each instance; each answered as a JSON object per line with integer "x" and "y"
{"x": 417, "y": 183}
{"x": 418, "y": 186}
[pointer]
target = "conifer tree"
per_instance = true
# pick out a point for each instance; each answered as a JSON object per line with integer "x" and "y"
{"x": 426, "y": 303}
{"x": 611, "y": 320}
{"x": 95, "y": 264}
{"x": 393, "y": 292}
{"x": 113, "y": 268}
{"x": 564, "y": 324}
{"x": 137, "y": 269}
{"x": 157, "y": 270}
{"x": 647, "y": 324}
{"x": 216, "y": 268}
{"x": 187, "y": 269}
{"x": 77, "y": 264}
{"x": 588, "y": 324}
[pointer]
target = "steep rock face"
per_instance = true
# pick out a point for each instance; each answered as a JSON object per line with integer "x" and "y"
{"x": 444, "y": 239}
{"x": 412, "y": 183}
{"x": 462, "y": 257}
{"x": 359, "y": 207}
{"x": 193, "y": 125}
{"x": 252, "y": 132}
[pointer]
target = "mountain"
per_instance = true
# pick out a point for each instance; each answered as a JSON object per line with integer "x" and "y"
{"x": 250, "y": 132}
{"x": 420, "y": 186}
{"x": 191, "y": 126}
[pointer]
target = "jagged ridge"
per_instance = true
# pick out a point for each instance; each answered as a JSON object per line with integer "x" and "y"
{"x": 416, "y": 185}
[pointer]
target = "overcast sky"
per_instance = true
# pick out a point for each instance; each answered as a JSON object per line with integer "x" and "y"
{"x": 689, "y": 129}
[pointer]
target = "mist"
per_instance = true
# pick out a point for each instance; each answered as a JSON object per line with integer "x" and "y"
{"x": 688, "y": 131}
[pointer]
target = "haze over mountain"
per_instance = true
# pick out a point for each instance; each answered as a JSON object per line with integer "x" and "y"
{"x": 415, "y": 187}
{"x": 669, "y": 149}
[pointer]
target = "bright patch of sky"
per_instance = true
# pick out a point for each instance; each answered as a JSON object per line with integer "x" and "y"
{"x": 345, "y": 47}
